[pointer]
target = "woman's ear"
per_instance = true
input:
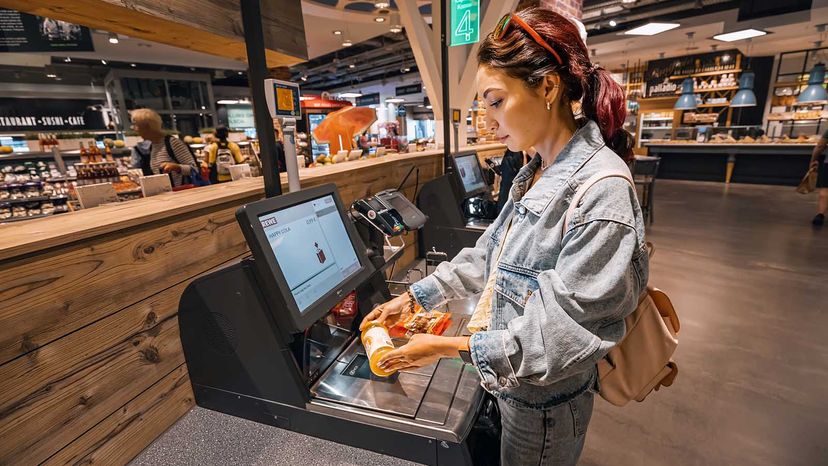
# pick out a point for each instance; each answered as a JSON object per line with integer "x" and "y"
{"x": 551, "y": 87}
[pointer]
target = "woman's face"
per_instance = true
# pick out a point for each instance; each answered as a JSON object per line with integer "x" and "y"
{"x": 142, "y": 128}
{"x": 516, "y": 114}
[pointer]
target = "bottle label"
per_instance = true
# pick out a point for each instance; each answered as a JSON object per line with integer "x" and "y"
{"x": 374, "y": 339}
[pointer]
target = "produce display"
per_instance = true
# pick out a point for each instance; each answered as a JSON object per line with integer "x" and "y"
{"x": 727, "y": 139}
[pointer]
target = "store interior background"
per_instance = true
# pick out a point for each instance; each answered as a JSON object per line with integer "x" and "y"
{"x": 741, "y": 258}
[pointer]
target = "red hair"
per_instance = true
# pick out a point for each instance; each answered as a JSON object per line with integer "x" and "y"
{"x": 521, "y": 57}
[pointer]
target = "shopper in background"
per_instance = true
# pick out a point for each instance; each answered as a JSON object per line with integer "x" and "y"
{"x": 553, "y": 294}
{"x": 221, "y": 155}
{"x": 140, "y": 157}
{"x": 178, "y": 164}
{"x": 818, "y": 159}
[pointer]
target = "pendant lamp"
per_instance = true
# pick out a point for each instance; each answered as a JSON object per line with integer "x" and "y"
{"x": 815, "y": 92}
{"x": 745, "y": 97}
{"x": 687, "y": 101}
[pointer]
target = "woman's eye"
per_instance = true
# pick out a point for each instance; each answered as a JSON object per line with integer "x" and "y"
{"x": 496, "y": 103}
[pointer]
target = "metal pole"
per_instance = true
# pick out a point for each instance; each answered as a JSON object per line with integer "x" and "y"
{"x": 256, "y": 74}
{"x": 444, "y": 59}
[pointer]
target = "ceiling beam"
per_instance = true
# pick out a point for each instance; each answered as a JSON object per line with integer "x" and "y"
{"x": 212, "y": 27}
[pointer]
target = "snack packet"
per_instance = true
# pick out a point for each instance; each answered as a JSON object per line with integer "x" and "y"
{"x": 421, "y": 321}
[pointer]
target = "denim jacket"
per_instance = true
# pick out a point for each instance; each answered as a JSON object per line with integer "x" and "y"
{"x": 559, "y": 303}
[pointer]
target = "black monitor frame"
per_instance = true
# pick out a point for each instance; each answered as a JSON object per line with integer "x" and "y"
{"x": 272, "y": 279}
{"x": 456, "y": 170}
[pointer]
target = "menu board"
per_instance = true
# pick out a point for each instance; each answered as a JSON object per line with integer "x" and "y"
{"x": 21, "y": 32}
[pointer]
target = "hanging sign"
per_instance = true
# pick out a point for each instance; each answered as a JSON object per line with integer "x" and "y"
{"x": 409, "y": 89}
{"x": 50, "y": 114}
{"x": 368, "y": 99}
{"x": 21, "y": 32}
{"x": 465, "y": 22}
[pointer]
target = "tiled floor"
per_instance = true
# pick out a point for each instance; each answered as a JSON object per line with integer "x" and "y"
{"x": 749, "y": 277}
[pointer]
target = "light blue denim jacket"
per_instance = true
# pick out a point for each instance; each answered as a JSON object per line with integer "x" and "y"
{"x": 558, "y": 303}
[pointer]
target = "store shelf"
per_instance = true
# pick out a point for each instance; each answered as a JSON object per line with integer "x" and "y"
{"x": 706, "y": 73}
{"x": 656, "y": 127}
{"x": 703, "y": 91}
{"x": 723, "y": 104}
{"x": 644, "y": 120}
{"x": 26, "y": 200}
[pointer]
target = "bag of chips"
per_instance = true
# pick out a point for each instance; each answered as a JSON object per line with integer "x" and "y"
{"x": 421, "y": 321}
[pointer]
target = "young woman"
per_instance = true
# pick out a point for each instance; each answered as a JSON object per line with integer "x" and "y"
{"x": 557, "y": 302}
{"x": 818, "y": 160}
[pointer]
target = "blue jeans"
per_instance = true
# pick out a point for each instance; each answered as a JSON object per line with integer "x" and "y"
{"x": 554, "y": 436}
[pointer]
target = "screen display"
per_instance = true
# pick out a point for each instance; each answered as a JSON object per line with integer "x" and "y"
{"x": 469, "y": 170}
{"x": 312, "y": 247}
{"x": 287, "y": 99}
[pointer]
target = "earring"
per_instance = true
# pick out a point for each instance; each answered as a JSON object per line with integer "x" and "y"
{"x": 548, "y": 106}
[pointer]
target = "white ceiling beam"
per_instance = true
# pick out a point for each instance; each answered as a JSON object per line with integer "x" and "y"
{"x": 420, "y": 38}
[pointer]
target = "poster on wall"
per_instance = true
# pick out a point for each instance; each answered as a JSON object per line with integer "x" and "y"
{"x": 50, "y": 115}
{"x": 21, "y": 32}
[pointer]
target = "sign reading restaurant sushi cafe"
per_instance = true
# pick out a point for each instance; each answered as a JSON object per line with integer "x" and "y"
{"x": 43, "y": 121}
{"x": 50, "y": 114}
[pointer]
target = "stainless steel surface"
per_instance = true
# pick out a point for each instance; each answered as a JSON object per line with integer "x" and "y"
{"x": 435, "y": 405}
{"x": 439, "y": 400}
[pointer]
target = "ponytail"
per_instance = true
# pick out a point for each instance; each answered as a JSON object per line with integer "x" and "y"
{"x": 604, "y": 103}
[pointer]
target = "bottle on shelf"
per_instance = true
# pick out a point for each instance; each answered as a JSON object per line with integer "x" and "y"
{"x": 84, "y": 156}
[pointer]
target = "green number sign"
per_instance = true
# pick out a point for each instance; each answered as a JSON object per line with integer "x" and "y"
{"x": 465, "y": 22}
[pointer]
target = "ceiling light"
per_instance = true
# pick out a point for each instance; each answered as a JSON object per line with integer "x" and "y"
{"x": 739, "y": 35}
{"x": 304, "y": 77}
{"x": 347, "y": 43}
{"x": 687, "y": 101}
{"x": 51, "y": 75}
{"x": 428, "y": 107}
{"x": 241, "y": 73}
{"x": 651, "y": 29}
{"x": 396, "y": 29}
{"x": 627, "y": 2}
{"x": 394, "y": 100}
{"x": 68, "y": 59}
{"x": 113, "y": 38}
{"x": 382, "y": 5}
{"x": 337, "y": 32}
{"x": 203, "y": 107}
{"x": 227, "y": 102}
{"x": 306, "y": 97}
{"x": 133, "y": 65}
{"x": 103, "y": 62}
{"x": 379, "y": 19}
{"x": 405, "y": 69}
{"x": 350, "y": 95}
{"x": 815, "y": 92}
{"x": 613, "y": 23}
{"x": 351, "y": 66}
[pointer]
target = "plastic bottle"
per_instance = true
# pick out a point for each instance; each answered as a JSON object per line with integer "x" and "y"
{"x": 377, "y": 342}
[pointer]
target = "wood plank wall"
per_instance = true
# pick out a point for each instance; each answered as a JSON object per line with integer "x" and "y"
{"x": 91, "y": 365}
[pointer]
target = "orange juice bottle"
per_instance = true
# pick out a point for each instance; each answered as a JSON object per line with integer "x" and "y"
{"x": 377, "y": 342}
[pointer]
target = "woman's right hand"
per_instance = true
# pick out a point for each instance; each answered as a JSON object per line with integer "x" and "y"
{"x": 388, "y": 313}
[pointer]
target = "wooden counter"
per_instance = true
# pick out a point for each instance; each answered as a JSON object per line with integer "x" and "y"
{"x": 91, "y": 366}
{"x": 780, "y": 164}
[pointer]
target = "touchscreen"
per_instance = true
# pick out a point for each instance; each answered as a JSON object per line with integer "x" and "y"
{"x": 312, "y": 247}
{"x": 470, "y": 173}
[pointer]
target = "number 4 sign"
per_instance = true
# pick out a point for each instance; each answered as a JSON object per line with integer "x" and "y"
{"x": 465, "y": 22}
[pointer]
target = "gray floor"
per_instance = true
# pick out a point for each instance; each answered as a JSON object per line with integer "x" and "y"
{"x": 746, "y": 272}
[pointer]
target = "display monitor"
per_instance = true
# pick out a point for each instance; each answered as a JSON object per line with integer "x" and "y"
{"x": 282, "y": 98}
{"x": 305, "y": 249}
{"x": 470, "y": 174}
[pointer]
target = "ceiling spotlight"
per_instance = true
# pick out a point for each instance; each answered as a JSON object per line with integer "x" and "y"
{"x": 405, "y": 69}
{"x": 379, "y": 19}
{"x": 396, "y": 29}
{"x": 113, "y": 38}
{"x": 627, "y": 2}
{"x": 350, "y": 95}
{"x": 613, "y": 23}
{"x": 304, "y": 77}
{"x": 51, "y": 75}
{"x": 651, "y": 29}
{"x": 394, "y": 100}
{"x": 227, "y": 102}
{"x": 103, "y": 62}
{"x": 428, "y": 107}
{"x": 133, "y": 65}
{"x": 241, "y": 73}
{"x": 352, "y": 66}
{"x": 68, "y": 59}
{"x": 347, "y": 43}
{"x": 337, "y": 32}
{"x": 739, "y": 35}
{"x": 382, "y": 5}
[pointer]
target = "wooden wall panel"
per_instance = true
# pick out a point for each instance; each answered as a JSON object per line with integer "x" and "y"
{"x": 126, "y": 432}
{"x": 44, "y": 298}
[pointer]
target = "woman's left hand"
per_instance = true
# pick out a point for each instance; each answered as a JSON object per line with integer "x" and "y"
{"x": 421, "y": 350}
{"x": 168, "y": 167}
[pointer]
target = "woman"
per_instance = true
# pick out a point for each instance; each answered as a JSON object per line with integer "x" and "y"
{"x": 557, "y": 303}
{"x": 819, "y": 161}
{"x": 221, "y": 154}
{"x": 181, "y": 163}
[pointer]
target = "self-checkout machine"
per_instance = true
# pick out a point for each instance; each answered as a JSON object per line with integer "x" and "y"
{"x": 265, "y": 340}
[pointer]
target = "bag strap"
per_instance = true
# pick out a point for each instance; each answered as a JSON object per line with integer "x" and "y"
{"x": 579, "y": 194}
